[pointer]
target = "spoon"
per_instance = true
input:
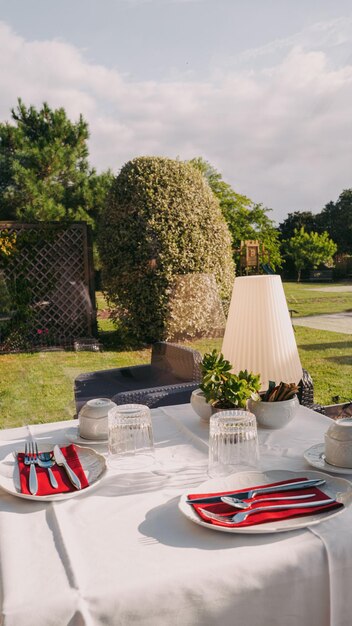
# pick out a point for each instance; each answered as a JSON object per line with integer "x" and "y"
{"x": 239, "y": 504}
{"x": 45, "y": 459}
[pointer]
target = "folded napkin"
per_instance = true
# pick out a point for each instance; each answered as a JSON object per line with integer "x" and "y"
{"x": 44, "y": 486}
{"x": 225, "y": 510}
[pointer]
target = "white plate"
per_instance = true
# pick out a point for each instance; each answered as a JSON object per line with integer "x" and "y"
{"x": 316, "y": 457}
{"x": 338, "y": 488}
{"x": 73, "y": 436}
{"x": 94, "y": 466}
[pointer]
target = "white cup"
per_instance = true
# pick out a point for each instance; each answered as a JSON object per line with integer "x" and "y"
{"x": 93, "y": 419}
{"x": 338, "y": 443}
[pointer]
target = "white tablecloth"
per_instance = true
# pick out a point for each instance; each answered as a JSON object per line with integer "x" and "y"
{"x": 124, "y": 554}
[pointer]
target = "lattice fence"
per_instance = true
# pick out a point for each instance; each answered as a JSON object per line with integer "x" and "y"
{"x": 50, "y": 282}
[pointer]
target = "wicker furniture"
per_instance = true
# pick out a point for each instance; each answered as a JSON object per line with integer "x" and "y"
{"x": 306, "y": 389}
{"x": 158, "y": 396}
{"x": 180, "y": 394}
{"x": 174, "y": 371}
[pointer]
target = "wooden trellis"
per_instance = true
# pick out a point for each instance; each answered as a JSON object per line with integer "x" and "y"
{"x": 52, "y": 264}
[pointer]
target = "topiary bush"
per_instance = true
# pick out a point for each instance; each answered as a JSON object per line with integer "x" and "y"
{"x": 161, "y": 220}
{"x": 195, "y": 309}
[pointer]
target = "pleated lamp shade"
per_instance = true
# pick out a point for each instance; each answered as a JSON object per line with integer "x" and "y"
{"x": 259, "y": 336}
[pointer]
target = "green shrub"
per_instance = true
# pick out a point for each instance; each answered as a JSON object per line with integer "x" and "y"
{"x": 195, "y": 309}
{"x": 161, "y": 220}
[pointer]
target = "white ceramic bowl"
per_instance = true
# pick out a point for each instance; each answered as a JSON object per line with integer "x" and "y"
{"x": 200, "y": 406}
{"x": 93, "y": 419}
{"x": 273, "y": 414}
{"x": 338, "y": 443}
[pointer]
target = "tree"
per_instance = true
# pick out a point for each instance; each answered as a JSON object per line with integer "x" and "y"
{"x": 44, "y": 170}
{"x": 295, "y": 221}
{"x": 336, "y": 219}
{"x": 245, "y": 219}
{"x": 161, "y": 221}
{"x": 310, "y": 249}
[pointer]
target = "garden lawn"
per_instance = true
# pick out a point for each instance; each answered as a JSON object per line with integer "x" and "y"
{"x": 305, "y": 300}
{"x": 38, "y": 387}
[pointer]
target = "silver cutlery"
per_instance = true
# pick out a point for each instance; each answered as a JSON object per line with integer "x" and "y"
{"x": 239, "y": 504}
{"x": 60, "y": 460}
{"x": 29, "y": 459}
{"x": 45, "y": 459}
{"x": 240, "y": 517}
{"x": 250, "y": 493}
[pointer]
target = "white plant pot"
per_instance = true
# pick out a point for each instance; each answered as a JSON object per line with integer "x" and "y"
{"x": 273, "y": 414}
{"x": 200, "y": 406}
{"x": 205, "y": 410}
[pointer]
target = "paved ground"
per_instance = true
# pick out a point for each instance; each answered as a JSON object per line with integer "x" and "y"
{"x": 331, "y": 289}
{"x": 337, "y": 322}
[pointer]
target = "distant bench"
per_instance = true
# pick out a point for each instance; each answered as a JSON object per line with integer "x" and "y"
{"x": 320, "y": 275}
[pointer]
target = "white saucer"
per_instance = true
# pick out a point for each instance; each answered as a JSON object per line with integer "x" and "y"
{"x": 316, "y": 457}
{"x": 73, "y": 436}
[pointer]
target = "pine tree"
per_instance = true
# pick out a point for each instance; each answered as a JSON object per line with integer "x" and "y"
{"x": 44, "y": 169}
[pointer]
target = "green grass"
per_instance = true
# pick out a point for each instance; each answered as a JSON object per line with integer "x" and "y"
{"x": 306, "y": 301}
{"x": 328, "y": 358}
{"x": 38, "y": 387}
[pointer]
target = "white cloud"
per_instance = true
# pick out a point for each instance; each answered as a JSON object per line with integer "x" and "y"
{"x": 280, "y": 134}
{"x": 160, "y": 1}
{"x": 320, "y": 35}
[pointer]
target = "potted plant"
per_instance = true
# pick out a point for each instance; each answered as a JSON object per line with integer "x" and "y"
{"x": 277, "y": 406}
{"x": 220, "y": 388}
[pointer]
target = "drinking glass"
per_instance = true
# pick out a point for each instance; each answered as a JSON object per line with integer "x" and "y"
{"x": 233, "y": 443}
{"x": 131, "y": 444}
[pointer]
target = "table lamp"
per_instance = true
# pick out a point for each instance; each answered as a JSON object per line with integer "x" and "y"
{"x": 259, "y": 336}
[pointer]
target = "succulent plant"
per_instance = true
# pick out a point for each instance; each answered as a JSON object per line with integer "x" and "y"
{"x": 223, "y": 389}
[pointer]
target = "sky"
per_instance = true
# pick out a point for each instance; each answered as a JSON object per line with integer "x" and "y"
{"x": 261, "y": 89}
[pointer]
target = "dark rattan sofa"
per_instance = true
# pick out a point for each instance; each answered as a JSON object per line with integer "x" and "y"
{"x": 170, "y": 378}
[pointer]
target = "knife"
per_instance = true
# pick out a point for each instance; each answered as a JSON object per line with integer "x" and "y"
{"x": 300, "y": 484}
{"x": 60, "y": 460}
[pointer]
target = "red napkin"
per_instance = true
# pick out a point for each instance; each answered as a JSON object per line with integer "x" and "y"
{"x": 44, "y": 486}
{"x": 220, "y": 508}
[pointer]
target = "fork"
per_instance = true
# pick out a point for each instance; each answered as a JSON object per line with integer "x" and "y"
{"x": 45, "y": 459}
{"x": 240, "y": 504}
{"x": 241, "y": 517}
{"x": 29, "y": 459}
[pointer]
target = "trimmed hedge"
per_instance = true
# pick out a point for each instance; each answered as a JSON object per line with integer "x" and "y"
{"x": 161, "y": 220}
{"x": 195, "y": 309}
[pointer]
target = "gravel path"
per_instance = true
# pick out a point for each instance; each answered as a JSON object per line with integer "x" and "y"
{"x": 337, "y": 322}
{"x": 331, "y": 289}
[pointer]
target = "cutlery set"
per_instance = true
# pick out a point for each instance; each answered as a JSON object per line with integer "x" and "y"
{"x": 236, "y": 500}
{"x": 46, "y": 460}
{"x": 240, "y": 517}
{"x": 251, "y": 493}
